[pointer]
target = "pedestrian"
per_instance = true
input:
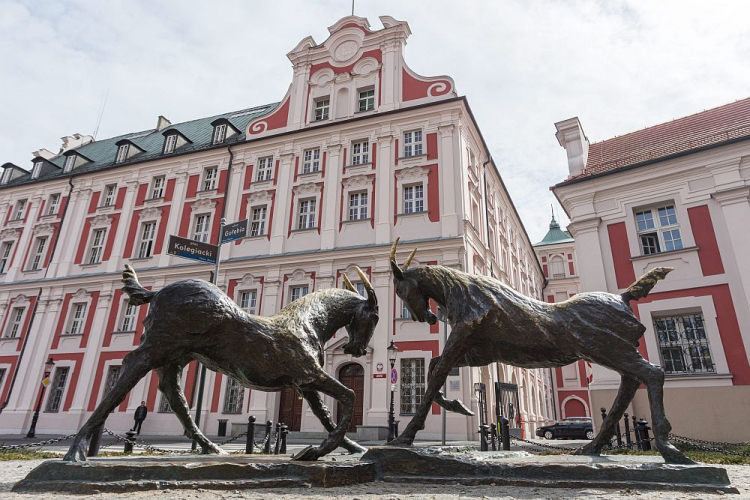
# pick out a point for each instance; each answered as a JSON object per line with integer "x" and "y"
{"x": 140, "y": 416}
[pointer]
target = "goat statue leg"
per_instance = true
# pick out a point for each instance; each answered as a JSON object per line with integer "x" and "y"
{"x": 135, "y": 366}
{"x": 628, "y": 387}
{"x": 169, "y": 385}
{"x": 345, "y": 396}
{"x": 453, "y": 351}
{"x": 321, "y": 411}
{"x": 454, "y": 405}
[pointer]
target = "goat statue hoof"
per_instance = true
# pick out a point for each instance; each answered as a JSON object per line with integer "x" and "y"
{"x": 308, "y": 454}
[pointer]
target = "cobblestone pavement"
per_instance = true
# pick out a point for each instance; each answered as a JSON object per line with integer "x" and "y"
{"x": 12, "y": 471}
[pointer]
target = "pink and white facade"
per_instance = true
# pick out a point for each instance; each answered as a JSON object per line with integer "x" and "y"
{"x": 675, "y": 195}
{"x": 359, "y": 151}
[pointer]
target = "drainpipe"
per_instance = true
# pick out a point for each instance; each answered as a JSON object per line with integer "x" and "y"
{"x": 36, "y": 303}
{"x": 486, "y": 207}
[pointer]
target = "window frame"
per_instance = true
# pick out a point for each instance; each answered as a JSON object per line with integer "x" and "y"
{"x": 57, "y": 389}
{"x": 19, "y": 210}
{"x": 258, "y": 227}
{"x": 308, "y": 219}
{"x": 298, "y": 288}
{"x": 37, "y": 256}
{"x": 170, "y": 144}
{"x": 150, "y": 242}
{"x": 70, "y": 163}
{"x": 652, "y": 239}
{"x": 266, "y": 168}
{"x": 109, "y": 195}
{"x": 680, "y": 340}
{"x": 220, "y": 133}
{"x": 369, "y": 100}
{"x": 209, "y": 181}
{"x": 362, "y": 208}
{"x": 361, "y": 156}
{"x": 252, "y": 300}
{"x": 128, "y": 315}
{"x": 38, "y": 168}
{"x": 74, "y": 319}
{"x": 415, "y": 148}
{"x": 409, "y": 380}
{"x": 413, "y": 201}
{"x": 322, "y": 112}
{"x": 205, "y": 234}
{"x": 311, "y": 161}
{"x": 53, "y": 204}
{"x": 96, "y": 247}
{"x": 15, "y": 322}
{"x": 234, "y": 397}
{"x": 6, "y": 255}
{"x": 122, "y": 153}
{"x": 153, "y": 188}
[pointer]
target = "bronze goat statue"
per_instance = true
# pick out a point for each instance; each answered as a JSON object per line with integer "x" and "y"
{"x": 194, "y": 320}
{"x": 491, "y": 322}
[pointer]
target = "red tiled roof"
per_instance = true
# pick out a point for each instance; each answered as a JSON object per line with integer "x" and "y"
{"x": 707, "y": 128}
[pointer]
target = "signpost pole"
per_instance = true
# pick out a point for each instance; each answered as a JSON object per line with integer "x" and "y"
{"x": 445, "y": 386}
{"x": 202, "y": 382}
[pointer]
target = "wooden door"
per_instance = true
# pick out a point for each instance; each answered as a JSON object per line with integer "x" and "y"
{"x": 290, "y": 409}
{"x": 353, "y": 376}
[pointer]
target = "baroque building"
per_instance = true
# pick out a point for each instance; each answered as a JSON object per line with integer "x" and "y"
{"x": 360, "y": 150}
{"x": 675, "y": 195}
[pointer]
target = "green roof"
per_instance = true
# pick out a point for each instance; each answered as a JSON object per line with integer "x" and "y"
{"x": 102, "y": 153}
{"x": 555, "y": 235}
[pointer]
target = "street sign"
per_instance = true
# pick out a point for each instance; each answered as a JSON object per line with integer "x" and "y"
{"x": 394, "y": 376}
{"x": 190, "y": 249}
{"x": 46, "y": 382}
{"x": 378, "y": 375}
{"x": 234, "y": 231}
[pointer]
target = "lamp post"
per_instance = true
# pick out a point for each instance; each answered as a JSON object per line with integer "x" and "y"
{"x": 45, "y": 382}
{"x": 392, "y": 352}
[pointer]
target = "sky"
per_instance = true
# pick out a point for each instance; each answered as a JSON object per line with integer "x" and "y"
{"x": 618, "y": 65}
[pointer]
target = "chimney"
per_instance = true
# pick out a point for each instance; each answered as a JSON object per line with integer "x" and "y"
{"x": 162, "y": 123}
{"x": 570, "y": 135}
{"x": 73, "y": 141}
{"x": 43, "y": 153}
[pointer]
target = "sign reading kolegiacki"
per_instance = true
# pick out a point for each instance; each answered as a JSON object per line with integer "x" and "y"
{"x": 190, "y": 249}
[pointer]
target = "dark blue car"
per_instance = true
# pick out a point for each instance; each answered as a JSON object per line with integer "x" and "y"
{"x": 568, "y": 428}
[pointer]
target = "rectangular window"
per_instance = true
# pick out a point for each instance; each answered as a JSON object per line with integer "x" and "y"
{"x": 54, "y": 204}
{"x": 683, "y": 344}
{"x": 170, "y": 142}
{"x": 122, "y": 153}
{"x": 233, "y": 396}
{"x": 38, "y": 257}
{"x": 37, "y": 168}
{"x": 361, "y": 289}
{"x": 306, "y": 214}
{"x": 258, "y": 222}
{"x": 265, "y": 169}
{"x": 113, "y": 373}
{"x": 209, "y": 178}
{"x": 248, "y": 301}
{"x": 2, "y": 376}
{"x": 6, "y": 176}
{"x": 311, "y": 161}
{"x": 298, "y": 292}
{"x": 20, "y": 209}
{"x": 5, "y": 255}
{"x": 413, "y": 199}
{"x": 358, "y": 205}
{"x": 76, "y": 319}
{"x": 405, "y": 314}
{"x": 70, "y": 162}
{"x": 658, "y": 230}
{"x": 97, "y": 246}
{"x": 360, "y": 152}
{"x": 57, "y": 389}
{"x": 202, "y": 228}
{"x": 413, "y": 143}
{"x": 157, "y": 187}
{"x": 164, "y": 405}
{"x": 109, "y": 195}
{"x": 322, "y": 107}
{"x": 16, "y": 315}
{"x": 366, "y": 100}
{"x": 220, "y": 133}
{"x": 146, "y": 246}
{"x": 128, "y": 317}
{"x": 412, "y": 385}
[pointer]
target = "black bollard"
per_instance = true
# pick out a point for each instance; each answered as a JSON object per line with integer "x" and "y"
{"x": 618, "y": 435}
{"x": 267, "y": 448}
{"x": 395, "y": 428}
{"x": 493, "y": 436}
{"x": 278, "y": 439}
{"x": 96, "y": 439}
{"x": 628, "y": 440}
{"x": 604, "y": 414}
{"x": 643, "y": 429}
{"x": 637, "y": 436}
{"x": 128, "y": 449}
{"x": 284, "y": 432}
{"x": 250, "y": 444}
{"x": 483, "y": 430}
{"x": 505, "y": 433}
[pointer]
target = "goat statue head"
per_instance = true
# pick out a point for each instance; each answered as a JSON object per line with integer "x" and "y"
{"x": 408, "y": 289}
{"x": 365, "y": 318}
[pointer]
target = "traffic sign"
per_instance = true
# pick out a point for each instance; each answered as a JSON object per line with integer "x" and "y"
{"x": 191, "y": 249}
{"x": 46, "y": 381}
{"x": 394, "y": 376}
{"x": 234, "y": 231}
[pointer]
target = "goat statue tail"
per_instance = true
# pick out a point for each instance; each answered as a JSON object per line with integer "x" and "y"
{"x": 138, "y": 295}
{"x": 645, "y": 283}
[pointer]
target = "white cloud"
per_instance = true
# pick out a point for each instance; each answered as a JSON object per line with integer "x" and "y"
{"x": 618, "y": 65}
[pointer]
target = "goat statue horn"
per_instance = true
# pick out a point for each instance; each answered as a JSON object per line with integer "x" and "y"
{"x": 368, "y": 287}
{"x": 397, "y": 272}
{"x": 348, "y": 284}
{"x": 407, "y": 262}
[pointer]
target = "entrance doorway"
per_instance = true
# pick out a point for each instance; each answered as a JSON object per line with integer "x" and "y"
{"x": 352, "y": 375}
{"x": 290, "y": 409}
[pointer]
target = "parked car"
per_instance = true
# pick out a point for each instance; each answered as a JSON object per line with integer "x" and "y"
{"x": 568, "y": 428}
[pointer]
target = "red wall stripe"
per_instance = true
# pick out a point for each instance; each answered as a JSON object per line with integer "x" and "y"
{"x": 618, "y": 241}
{"x": 705, "y": 237}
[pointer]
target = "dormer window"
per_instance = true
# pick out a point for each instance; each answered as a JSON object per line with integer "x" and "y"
{"x": 322, "y": 109}
{"x": 6, "y": 176}
{"x": 366, "y": 100}
{"x": 220, "y": 133}
{"x": 37, "y": 168}
{"x": 70, "y": 162}
{"x": 122, "y": 153}
{"x": 170, "y": 142}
